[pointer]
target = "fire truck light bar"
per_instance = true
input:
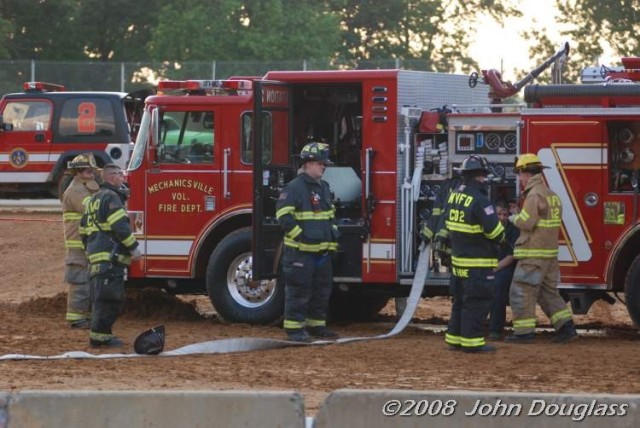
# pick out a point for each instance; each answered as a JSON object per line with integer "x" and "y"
{"x": 192, "y": 85}
{"x": 42, "y": 87}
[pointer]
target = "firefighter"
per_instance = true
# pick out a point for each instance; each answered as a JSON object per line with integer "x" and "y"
{"x": 110, "y": 247}
{"x": 306, "y": 213}
{"x": 474, "y": 233}
{"x": 536, "y": 276}
{"x": 76, "y": 273}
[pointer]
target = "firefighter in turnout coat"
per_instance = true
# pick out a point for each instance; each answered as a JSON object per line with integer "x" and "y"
{"x": 536, "y": 276}
{"x": 76, "y": 273}
{"x": 306, "y": 213}
{"x": 474, "y": 233}
{"x": 110, "y": 247}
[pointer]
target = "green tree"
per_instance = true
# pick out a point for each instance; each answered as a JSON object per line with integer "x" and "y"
{"x": 116, "y": 29}
{"x": 266, "y": 30}
{"x": 434, "y": 30}
{"x": 39, "y": 29}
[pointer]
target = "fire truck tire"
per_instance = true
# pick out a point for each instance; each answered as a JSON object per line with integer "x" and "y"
{"x": 353, "y": 306}
{"x": 234, "y": 296}
{"x": 632, "y": 291}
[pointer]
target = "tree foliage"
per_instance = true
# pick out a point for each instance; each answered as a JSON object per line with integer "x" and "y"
{"x": 437, "y": 31}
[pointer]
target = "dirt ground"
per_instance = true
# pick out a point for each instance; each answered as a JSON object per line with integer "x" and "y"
{"x": 32, "y": 306}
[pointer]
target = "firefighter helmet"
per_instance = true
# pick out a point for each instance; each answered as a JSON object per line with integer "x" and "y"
{"x": 528, "y": 162}
{"x": 150, "y": 342}
{"x": 475, "y": 164}
{"x": 316, "y": 151}
{"x": 80, "y": 162}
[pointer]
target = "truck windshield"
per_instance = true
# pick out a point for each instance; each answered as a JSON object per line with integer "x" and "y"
{"x": 141, "y": 142}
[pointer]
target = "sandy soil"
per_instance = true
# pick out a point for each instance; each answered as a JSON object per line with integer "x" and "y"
{"x": 32, "y": 305}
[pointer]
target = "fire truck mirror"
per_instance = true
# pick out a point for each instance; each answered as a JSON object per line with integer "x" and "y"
{"x": 5, "y": 126}
{"x": 155, "y": 127}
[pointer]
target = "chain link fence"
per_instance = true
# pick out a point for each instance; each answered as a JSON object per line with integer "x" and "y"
{"x": 131, "y": 76}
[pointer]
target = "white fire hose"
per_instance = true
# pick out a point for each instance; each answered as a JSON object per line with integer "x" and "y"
{"x": 245, "y": 344}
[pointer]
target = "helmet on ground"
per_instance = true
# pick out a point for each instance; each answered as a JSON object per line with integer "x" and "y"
{"x": 528, "y": 162}
{"x": 85, "y": 160}
{"x": 475, "y": 164}
{"x": 150, "y": 342}
{"x": 316, "y": 151}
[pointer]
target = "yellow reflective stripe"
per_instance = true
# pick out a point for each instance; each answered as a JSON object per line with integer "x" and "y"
{"x": 73, "y": 316}
{"x": 437, "y": 211}
{"x": 535, "y": 253}
{"x": 292, "y": 324}
{"x": 473, "y": 262}
{"x": 497, "y": 231}
{"x": 125, "y": 260}
{"x": 293, "y": 233}
{"x": 524, "y": 216}
{"x": 472, "y": 342}
{"x": 316, "y": 323}
{"x": 463, "y": 228}
{"x": 71, "y": 216}
{"x": 101, "y": 337}
{"x": 129, "y": 240}
{"x": 311, "y": 248}
{"x": 452, "y": 339}
{"x": 116, "y": 216}
{"x": 561, "y": 314}
{"x": 73, "y": 243}
{"x": 102, "y": 256}
{"x": 427, "y": 232}
{"x": 549, "y": 223}
{"x": 443, "y": 233}
{"x": 525, "y": 323}
{"x": 313, "y": 215}
{"x": 284, "y": 211}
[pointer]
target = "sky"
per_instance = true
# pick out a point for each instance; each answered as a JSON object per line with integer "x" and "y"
{"x": 503, "y": 48}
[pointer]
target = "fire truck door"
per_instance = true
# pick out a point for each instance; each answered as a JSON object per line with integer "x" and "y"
{"x": 183, "y": 190}
{"x": 24, "y": 149}
{"x": 272, "y": 170}
{"x": 574, "y": 151}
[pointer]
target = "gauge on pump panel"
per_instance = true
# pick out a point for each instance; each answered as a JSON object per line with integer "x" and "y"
{"x": 498, "y": 170}
{"x": 492, "y": 141}
{"x": 425, "y": 189}
{"x": 425, "y": 214}
{"x": 510, "y": 141}
{"x": 435, "y": 189}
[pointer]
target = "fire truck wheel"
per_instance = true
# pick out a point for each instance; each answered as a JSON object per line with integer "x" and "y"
{"x": 353, "y": 306}
{"x": 230, "y": 287}
{"x": 632, "y": 291}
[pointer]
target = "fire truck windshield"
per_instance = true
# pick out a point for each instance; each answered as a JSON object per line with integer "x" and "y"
{"x": 141, "y": 142}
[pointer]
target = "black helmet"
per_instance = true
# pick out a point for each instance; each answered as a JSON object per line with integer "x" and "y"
{"x": 475, "y": 165}
{"x": 316, "y": 151}
{"x": 150, "y": 342}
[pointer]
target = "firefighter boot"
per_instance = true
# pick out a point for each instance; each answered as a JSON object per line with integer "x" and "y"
{"x": 566, "y": 334}
{"x": 520, "y": 338}
{"x": 114, "y": 342}
{"x": 297, "y": 335}
{"x": 322, "y": 332}
{"x": 479, "y": 349}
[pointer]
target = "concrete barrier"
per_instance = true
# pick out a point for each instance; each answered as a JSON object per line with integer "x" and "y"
{"x": 440, "y": 409}
{"x": 166, "y": 409}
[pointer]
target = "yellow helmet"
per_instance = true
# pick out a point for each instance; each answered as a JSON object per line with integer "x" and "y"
{"x": 528, "y": 161}
{"x": 85, "y": 160}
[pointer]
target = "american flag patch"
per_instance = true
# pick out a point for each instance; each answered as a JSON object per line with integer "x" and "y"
{"x": 283, "y": 196}
{"x": 489, "y": 210}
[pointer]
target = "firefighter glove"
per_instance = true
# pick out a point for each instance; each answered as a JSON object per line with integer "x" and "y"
{"x": 136, "y": 253}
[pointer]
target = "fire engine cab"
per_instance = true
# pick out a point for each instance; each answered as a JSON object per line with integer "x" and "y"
{"x": 45, "y": 126}
{"x": 212, "y": 156}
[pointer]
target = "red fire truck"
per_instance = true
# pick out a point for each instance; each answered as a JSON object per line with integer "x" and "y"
{"x": 45, "y": 126}
{"x": 209, "y": 162}
{"x": 208, "y": 166}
